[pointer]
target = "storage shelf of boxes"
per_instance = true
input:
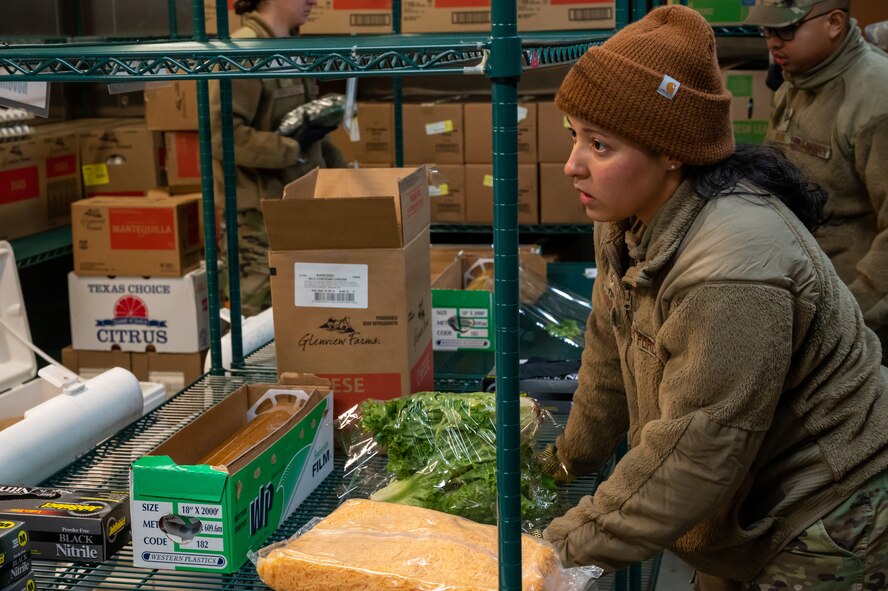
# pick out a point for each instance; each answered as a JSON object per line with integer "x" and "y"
{"x": 127, "y": 319}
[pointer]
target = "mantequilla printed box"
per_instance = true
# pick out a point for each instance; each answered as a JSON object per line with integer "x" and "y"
{"x": 190, "y": 515}
{"x": 15, "y": 553}
{"x": 70, "y": 525}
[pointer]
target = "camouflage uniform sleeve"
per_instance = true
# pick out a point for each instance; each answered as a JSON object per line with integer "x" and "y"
{"x": 254, "y": 148}
{"x": 871, "y": 285}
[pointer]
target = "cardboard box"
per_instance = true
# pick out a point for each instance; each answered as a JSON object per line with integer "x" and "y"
{"x": 172, "y": 107}
{"x": 479, "y": 134}
{"x": 150, "y": 237}
{"x": 463, "y": 319}
{"x": 222, "y": 512}
{"x": 721, "y": 12}
{"x": 125, "y": 160}
{"x": 433, "y": 133}
{"x": 349, "y": 17}
{"x": 69, "y": 525}
{"x": 168, "y": 315}
{"x": 60, "y": 182}
{"x": 373, "y": 140}
{"x": 553, "y": 133}
{"x": 15, "y": 552}
{"x": 21, "y": 210}
{"x": 350, "y": 284}
{"x": 751, "y": 105}
{"x": 175, "y": 371}
{"x": 479, "y": 194}
{"x": 561, "y": 15}
{"x": 559, "y": 200}
{"x": 447, "y": 193}
{"x": 182, "y": 158}
{"x": 445, "y": 16}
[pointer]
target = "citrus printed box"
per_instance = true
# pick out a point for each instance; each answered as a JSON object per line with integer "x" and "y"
{"x": 196, "y": 516}
{"x": 138, "y": 314}
{"x": 155, "y": 236}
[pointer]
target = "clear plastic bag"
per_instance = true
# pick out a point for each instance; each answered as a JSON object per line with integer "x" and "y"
{"x": 366, "y": 546}
{"x": 438, "y": 450}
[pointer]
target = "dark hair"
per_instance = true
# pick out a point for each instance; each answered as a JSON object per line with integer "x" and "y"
{"x": 769, "y": 170}
{"x": 244, "y": 6}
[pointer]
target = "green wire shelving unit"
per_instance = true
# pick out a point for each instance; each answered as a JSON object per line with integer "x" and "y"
{"x": 501, "y": 55}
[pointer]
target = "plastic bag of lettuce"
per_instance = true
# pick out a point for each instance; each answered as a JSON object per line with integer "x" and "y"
{"x": 438, "y": 450}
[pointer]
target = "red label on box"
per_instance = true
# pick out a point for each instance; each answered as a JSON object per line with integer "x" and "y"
{"x": 462, "y": 3}
{"x": 362, "y": 4}
{"x": 422, "y": 374}
{"x": 142, "y": 228}
{"x": 19, "y": 184}
{"x": 187, "y": 155}
{"x": 61, "y": 166}
{"x": 350, "y": 389}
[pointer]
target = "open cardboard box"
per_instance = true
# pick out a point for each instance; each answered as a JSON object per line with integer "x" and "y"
{"x": 349, "y": 261}
{"x": 192, "y": 516}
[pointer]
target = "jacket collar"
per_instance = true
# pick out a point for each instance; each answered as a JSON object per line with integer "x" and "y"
{"x": 833, "y": 66}
{"x": 255, "y": 22}
{"x": 669, "y": 228}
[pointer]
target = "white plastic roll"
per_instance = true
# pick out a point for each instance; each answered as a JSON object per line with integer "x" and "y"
{"x": 257, "y": 331}
{"x": 55, "y": 433}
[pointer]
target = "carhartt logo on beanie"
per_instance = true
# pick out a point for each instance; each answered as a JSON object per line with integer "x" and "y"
{"x": 656, "y": 82}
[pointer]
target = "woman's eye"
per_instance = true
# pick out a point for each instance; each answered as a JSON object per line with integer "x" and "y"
{"x": 598, "y": 146}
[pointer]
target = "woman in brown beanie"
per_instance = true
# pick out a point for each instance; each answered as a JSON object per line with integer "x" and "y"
{"x": 721, "y": 340}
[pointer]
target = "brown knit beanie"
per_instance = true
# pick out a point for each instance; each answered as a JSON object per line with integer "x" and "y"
{"x": 656, "y": 82}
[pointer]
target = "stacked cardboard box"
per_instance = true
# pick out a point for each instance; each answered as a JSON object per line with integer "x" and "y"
{"x": 558, "y": 198}
{"x": 349, "y": 259}
{"x": 751, "y": 105}
{"x": 138, "y": 294}
{"x": 172, "y": 110}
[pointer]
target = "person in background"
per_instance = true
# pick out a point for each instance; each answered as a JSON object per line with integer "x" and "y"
{"x": 266, "y": 160}
{"x": 721, "y": 340}
{"x": 830, "y": 116}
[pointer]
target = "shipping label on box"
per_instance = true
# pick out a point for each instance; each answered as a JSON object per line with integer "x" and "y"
{"x": 69, "y": 525}
{"x": 136, "y": 313}
{"x": 750, "y": 105}
{"x": 559, "y": 15}
{"x": 125, "y": 160}
{"x": 349, "y": 17}
{"x": 188, "y": 515}
{"x": 350, "y": 280}
{"x": 155, "y": 236}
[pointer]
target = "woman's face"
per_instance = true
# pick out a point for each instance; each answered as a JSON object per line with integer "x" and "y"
{"x": 299, "y": 11}
{"x": 616, "y": 177}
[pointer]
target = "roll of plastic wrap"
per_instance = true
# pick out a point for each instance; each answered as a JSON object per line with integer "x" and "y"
{"x": 257, "y": 331}
{"x": 55, "y": 433}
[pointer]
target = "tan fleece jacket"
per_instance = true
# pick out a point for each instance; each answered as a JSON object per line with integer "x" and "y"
{"x": 741, "y": 368}
{"x": 266, "y": 161}
{"x": 833, "y": 123}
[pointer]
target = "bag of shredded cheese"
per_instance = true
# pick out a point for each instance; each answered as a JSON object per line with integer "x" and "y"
{"x": 367, "y": 546}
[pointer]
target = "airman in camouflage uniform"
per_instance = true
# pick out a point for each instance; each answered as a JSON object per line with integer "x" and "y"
{"x": 266, "y": 160}
{"x": 846, "y": 550}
